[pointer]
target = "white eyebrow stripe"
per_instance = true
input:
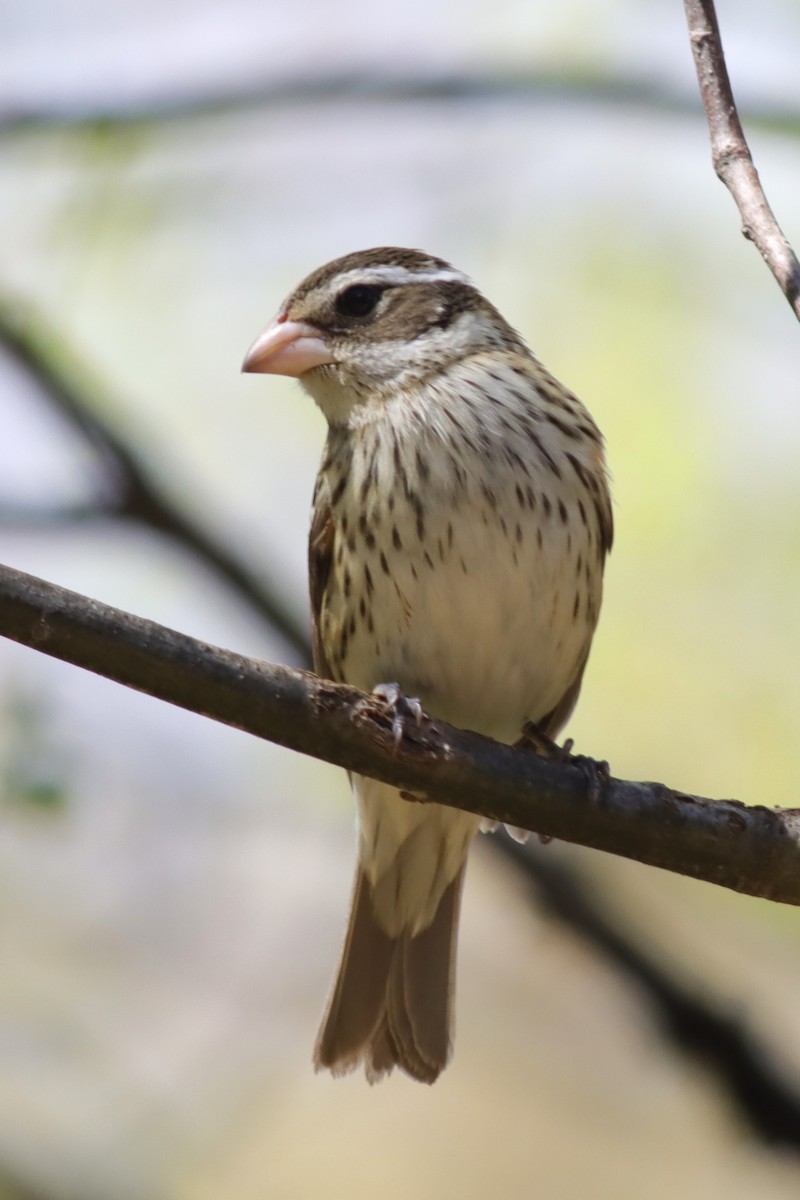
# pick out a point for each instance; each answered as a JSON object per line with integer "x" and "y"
{"x": 395, "y": 276}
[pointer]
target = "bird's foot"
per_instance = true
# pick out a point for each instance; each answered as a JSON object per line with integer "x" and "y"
{"x": 399, "y": 707}
{"x": 532, "y": 738}
{"x": 596, "y": 772}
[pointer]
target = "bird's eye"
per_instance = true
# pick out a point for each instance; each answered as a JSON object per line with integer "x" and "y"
{"x": 358, "y": 300}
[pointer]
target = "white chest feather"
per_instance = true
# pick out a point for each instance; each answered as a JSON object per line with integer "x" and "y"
{"x": 468, "y": 549}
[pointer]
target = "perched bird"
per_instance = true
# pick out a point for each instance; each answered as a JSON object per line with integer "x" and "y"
{"x": 460, "y": 525}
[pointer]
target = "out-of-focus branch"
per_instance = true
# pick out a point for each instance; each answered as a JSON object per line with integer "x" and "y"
{"x": 534, "y": 87}
{"x": 130, "y": 488}
{"x": 752, "y": 850}
{"x": 730, "y": 153}
{"x": 722, "y": 1042}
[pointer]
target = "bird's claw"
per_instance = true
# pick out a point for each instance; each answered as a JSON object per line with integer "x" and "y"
{"x": 532, "y": 738}
{"x": 400, "y": 707}
{"x": 596, "y": 773}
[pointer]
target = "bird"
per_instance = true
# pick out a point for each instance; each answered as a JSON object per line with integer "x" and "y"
{"x": 460, "y": 524}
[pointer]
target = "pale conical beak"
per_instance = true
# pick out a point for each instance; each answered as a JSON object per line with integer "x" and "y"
{"x": 287, "y": 348}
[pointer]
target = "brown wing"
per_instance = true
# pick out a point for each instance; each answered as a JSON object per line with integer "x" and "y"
{"x": 601, "y": 498}
{"x": 597, "y": 482}
{"x": 320, "y": 562}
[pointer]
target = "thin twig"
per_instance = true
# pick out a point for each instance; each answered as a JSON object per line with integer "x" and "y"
{"x": 730, "y": 153}
{"x": 753, "y": 850}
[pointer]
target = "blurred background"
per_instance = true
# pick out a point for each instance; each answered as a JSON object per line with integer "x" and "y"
{"x": 173, "y": 893}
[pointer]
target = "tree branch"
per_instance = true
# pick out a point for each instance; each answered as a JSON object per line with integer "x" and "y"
{"x": 753, "y": 1076}
{"x": 730, "y": 153}
{"x": 752, "y": 850}
{"x": 539, "y": 86}
{"x": 132, "y": 490}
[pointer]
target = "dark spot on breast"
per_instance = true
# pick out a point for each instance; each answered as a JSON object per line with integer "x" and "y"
{"x": 458, "y": 471}
{"x": 577, "y": 466}
{"x": 562, "y": 512}
{"x": 396, "y": 542}
{"x": 552, "y": 392}
{"x": 384, "y": 564}
{"x": 338, "y": 491}
{"x": 400, "y": 469}
{"x": 544, "y": 453}
{"x": 563, "y": 426}
{"x": 369, "y": 479}
{"x": 420, "y": 518}
{"x": 523, "y": 399}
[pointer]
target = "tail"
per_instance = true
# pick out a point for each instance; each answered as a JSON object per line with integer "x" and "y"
{"x": 392, "y": 1004}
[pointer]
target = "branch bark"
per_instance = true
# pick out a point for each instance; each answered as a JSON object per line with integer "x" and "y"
{"x": 730, "y": 153}
{"x": 752, "y": 850}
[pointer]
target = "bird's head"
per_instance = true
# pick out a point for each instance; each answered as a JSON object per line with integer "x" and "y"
{"x": 375, "y": 323}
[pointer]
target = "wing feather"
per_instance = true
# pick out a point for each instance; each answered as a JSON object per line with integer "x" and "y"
{"x": 320, "y": 564}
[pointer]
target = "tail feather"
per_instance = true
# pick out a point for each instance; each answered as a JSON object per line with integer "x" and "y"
{"x": 356, "y": 1006}
{"x": 392, "y": 1003}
